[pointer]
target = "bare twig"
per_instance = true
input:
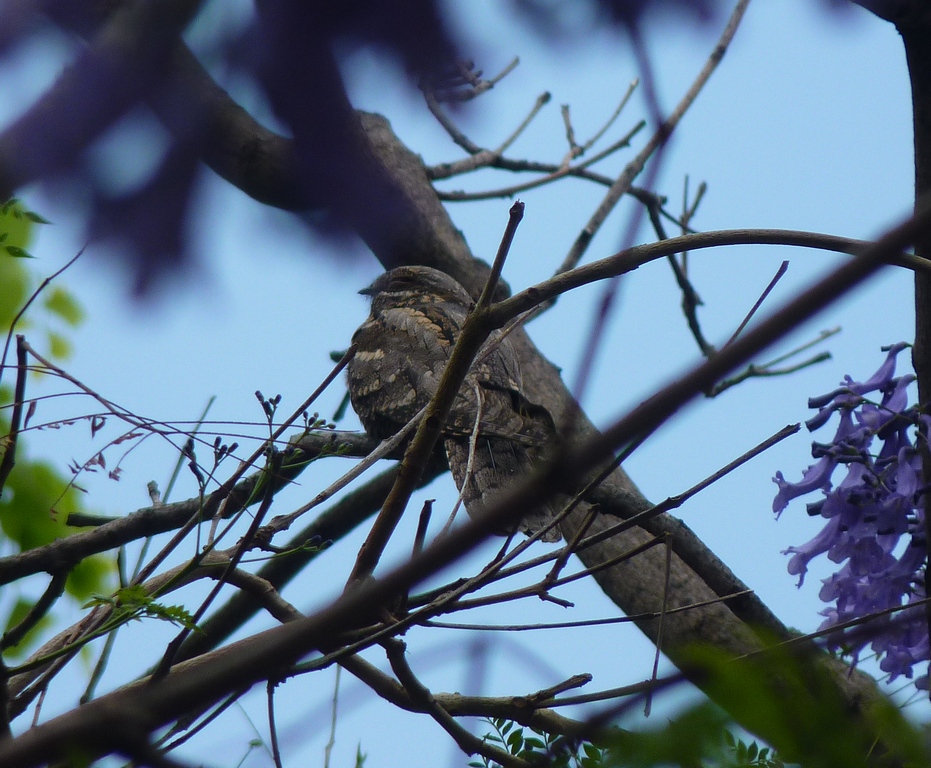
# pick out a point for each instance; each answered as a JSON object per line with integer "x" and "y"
{"x": 331, "y": 742}
{"x": 420, "y": 694}
{"x": 658, "y": 647}
{"x": 614, "y": 116}
{"x": 574, "y": 149}
{"x": 768, "y": 369}
{"x": 35, "y": 294}
{"x": 273, "y": 729}
{"x": 553, "y": 174}
{"x": 542, "y": 100}
{"x": 690, "y": 298}
{"x": 272, "y": 470}
{"x": 632, "y": 170}
{"x": 53, "y": 591}
{"x": 520, "y": 709}
{"x": 759, "y": 302}
{"x": 574, "y": 624}
{"x": 19, "y": 395}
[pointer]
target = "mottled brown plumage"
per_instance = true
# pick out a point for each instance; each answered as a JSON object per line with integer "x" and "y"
{"x": 401, "y": 351}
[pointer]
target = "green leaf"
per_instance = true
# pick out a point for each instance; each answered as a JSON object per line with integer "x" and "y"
{"x": 534, "y": 743}
{"x": 62, "y": 303}
{"x": 33, "y": 515}
{"x": 35, "y": 217}
{"x": 19, "y": 253}
{"x": 59, "y": 346}
{"x": 686, "y": 740}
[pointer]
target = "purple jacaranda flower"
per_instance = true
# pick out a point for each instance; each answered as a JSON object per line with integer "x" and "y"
{"x": 815, "y": 477}
{"x": 874, "y": 518}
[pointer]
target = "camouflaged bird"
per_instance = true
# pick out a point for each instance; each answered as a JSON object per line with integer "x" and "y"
{"x": 401, "y": 351}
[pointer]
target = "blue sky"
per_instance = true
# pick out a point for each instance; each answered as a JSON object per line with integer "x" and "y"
{"x": 805, "y": 125}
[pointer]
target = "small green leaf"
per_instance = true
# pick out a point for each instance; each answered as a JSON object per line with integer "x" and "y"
{"x": 33, "y": 216}
{"x": 19, "y": 253}
{"x": 59, "y": 346}
{"x": 592, "y": 752}
{"x": 63, "y": 304}
{"x": 534, "y": 743}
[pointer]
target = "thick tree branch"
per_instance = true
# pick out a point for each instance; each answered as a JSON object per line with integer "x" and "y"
{"x": 126, "y": 59}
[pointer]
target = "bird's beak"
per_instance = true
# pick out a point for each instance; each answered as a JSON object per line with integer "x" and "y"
{"x": 370, "y": 291}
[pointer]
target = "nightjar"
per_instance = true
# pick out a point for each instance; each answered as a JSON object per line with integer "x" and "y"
{"x": 401, "y": 351}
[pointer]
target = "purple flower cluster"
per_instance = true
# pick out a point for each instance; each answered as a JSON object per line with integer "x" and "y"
{"x": 874, "y": 518}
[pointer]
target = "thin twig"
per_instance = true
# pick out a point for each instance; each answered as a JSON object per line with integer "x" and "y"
{"x": 467, "y": 742}
{"x": 639, "y": 617}
{"x": 35, "y": 294}
{"x": 643, "y": 519}
{"x": 615, "y": 115}
{"x": 768, "y": 369}
{"x": 53, "y": 591}
{"x": 385, "y": 448}
{"x": 19, "y": 395}
{"x": 272, "y": 728}
{"x": 690, "y": 298}
{"x": 222, "y": 494}
{"x": 663, "y": 612}
{"x": 331, "y": 742}
{"x": 574, "y": 149}
{"x": 783, "y": 268}
{"x": 660, "y": 136}
{"x": 542, "y": 100}
{"x": 470, "y": 460}
{"x": 570, "y": 547}
{"x": 557, "y": 172}
{"x": 272, "y": 470}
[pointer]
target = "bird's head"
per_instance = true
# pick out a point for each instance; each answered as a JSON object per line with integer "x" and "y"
{"x": 403, "y": 285}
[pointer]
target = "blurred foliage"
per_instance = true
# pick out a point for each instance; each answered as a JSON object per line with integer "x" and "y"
{"x": 36, "y": 499}
{"x": 803, "y": 718}
{"x": 794, "y": 703}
